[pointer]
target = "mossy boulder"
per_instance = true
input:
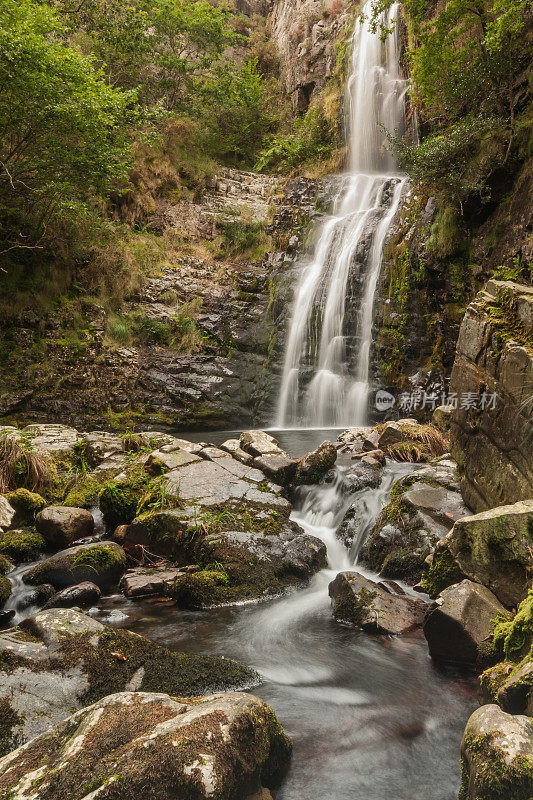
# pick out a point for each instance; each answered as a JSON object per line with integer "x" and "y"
{"x": 513, "y": 638}
{"x": 139, "y": 744}
{"x": 440, "y": 571}
{"x": 22, "y": 545}
{"x": 198, "y": 589}
{"x": 102, "y": 564}
{"x": 60, "y": 660}
{"x": 5, "y": 565}
{"x": 5, "y": 590}
{"x": 26, "y": 504}
{"x": 85, "y": 491}
{"x": 497, "y": 756}
{"x": 423, "y": 507}
{"x": 119, "y": 499}
{"x": 312, "y": 467}
{"x": 494, "y": 548}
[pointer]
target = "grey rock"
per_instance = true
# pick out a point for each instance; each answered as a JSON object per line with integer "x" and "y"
{"x": 84, "y": 595}
{"x": 7, "y": 513}
{"x": 149, "y": 581}
{"x": 102, "y": 563}
{"x": 61, "y": 525}
{"x": 460, "y": 620}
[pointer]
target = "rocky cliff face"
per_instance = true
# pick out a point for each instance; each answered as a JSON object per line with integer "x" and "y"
{"x": 492, "y": 429}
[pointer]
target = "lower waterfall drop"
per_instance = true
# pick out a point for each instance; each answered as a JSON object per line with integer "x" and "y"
{"x": 326, "y": 366}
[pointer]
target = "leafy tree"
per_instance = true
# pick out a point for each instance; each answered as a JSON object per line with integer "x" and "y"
{"x": 64, "y": 132}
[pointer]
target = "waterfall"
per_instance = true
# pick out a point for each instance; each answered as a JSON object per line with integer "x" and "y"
{"x": 326, "y": 366}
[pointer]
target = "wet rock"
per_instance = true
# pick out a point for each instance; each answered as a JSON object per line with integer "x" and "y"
{"x": 277, "y": 467}
{"x": 460, "y": 620}
{"x": 84, "y": 595}
{"x": 6, "y": 618}
{"x": 149, "y": 581}
{"x": 497, "y": 756}
{"x": 423, "y": 507}
{"x": 61, "y": 525}
{"x": 102, "y": 564}
{"x": 60, "y": 660}
{"x": 313, "y": 466}
{"x": 213, "y": 747}
{"x": 7, "y": 513}
{"x": 5, "y": 590}
{"x": 233, "y": 447}
{"x": 374, "y": 608}
{"x": 494, "y": 548}
{"x": 494, "y": 360}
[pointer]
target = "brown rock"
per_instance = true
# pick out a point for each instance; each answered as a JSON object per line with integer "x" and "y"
{"x": 61, "y": 525}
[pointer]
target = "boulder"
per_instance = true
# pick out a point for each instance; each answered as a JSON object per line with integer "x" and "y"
{"x": 83, "y": 595}
{"x": 313, "y": 466}
{"x": 494, "y": 548}
{"x": 259, "y": 443}
{"x": 7, "y": 513}
{"x": 27, "y": 505}
{"x": 101, "y": 563}
{"x": 375, "y": 608}
{"x": 278, "y": 467}
{"x": 60, "y": 660}
{"x": 61, "y": 525}
{"x": 442, "y": 417}
{"x": 21, "y": 545}
{"x": 423, "y": 507}
{"x": 515, "y": 695}
{"x": 493, "y": 365}
{"x": 233, "y": 447}
{"x": 142, "y": 744}
{"x": 497, "y": 756}
{"x": 460, "y": 620}
{"x": 149, "y": 581}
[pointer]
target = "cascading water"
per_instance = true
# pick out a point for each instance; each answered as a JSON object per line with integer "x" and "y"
{"x": 326, "y": 367}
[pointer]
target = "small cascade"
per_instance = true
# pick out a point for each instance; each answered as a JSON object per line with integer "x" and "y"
{"x": 326, "y": 366}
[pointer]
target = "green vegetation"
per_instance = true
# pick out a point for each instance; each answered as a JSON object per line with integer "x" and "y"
{"x": 514, "y": 638}
{"x": 27, "y": 504}
{"x": 5, "y": 589}
{"x": 492, "y": 776}
{"x": 22, "y": 545}
{"x": 467, "y": 66}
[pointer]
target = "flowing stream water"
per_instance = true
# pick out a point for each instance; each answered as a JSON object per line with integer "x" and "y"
{"x": 371, "y": 718}
{"x": 326, "y": 367}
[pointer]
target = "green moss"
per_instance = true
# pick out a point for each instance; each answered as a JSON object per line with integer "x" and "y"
{"x": 514, "y": 637}
{"x": 177, "y": 674}
{"x": 84, "y": 493}
{"x": 198, "y": 589}
{"x": 27, "y": 504}
{"x": 119, "y": 500}
{"x": 490, "y": 777}
{"x": 492, "y": 679}
{"x": 443, "y": 572}
{"x": 5, "y": 589}
{"x": 405, "y": 565}
{"x": 98, "y": 558}
{"x": 22, "y": 545}
{"x": 5, "y": 565}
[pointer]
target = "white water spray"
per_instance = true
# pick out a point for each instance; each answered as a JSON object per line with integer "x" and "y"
{"x": 325, "y": 374}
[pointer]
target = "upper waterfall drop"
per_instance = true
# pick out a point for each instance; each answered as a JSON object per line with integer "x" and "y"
{"x": 326, "y": 366}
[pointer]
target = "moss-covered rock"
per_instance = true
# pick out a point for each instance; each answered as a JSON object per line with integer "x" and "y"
{"x": 514, "y": 638}
{"x": 133, "y": 745}
{"x": 22, "y": 545}
{"x": 60, "y": 660}
{"x": 27, "y": 505}
{"x": 441, "y": 572}
{"x": 494, "y": 548}
{"x": 102, "y": 564}
{"x": 312, "y": 467}
{"x": 198, "y": 589}
{"x": 5, "y": 589}
{"x": 497, "y": 756}
{"x": 5, "y": 565}
{"x": 120, "y": 498}
{"x": 85, "y": 491}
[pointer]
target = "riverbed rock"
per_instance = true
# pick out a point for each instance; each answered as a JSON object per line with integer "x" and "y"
{"x": 364, "y": 604}
{"x": 442, "y": 418}
{"x": 494, "y": 365}
{"x": 260, "y": 443}
{"x": 149, "y": 581}
{"x": 313, "y": 466}
{"x": 101, "y": 563}
{"x": 408, "y": 440}
{"x": 60, "y": 525}
{"x": 60, "y": 660}
{"x": 53, "y": 439}
{"x": 497, "y": 756}
{"x": 84, "y": 595}
{"x": 26, "y": 504}
{"x": 460, "y": 620}
{"x": 495, "y": 549}
{"x": 7, "y": 513}
{"x": 422, "y": 509}
{"x": 233, "y": 447}
{"x": 21, "y": 545}
{"x": 135, "y": 743}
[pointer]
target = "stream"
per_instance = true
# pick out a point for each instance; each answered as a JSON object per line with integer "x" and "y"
{"x": 371, "y": 718}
